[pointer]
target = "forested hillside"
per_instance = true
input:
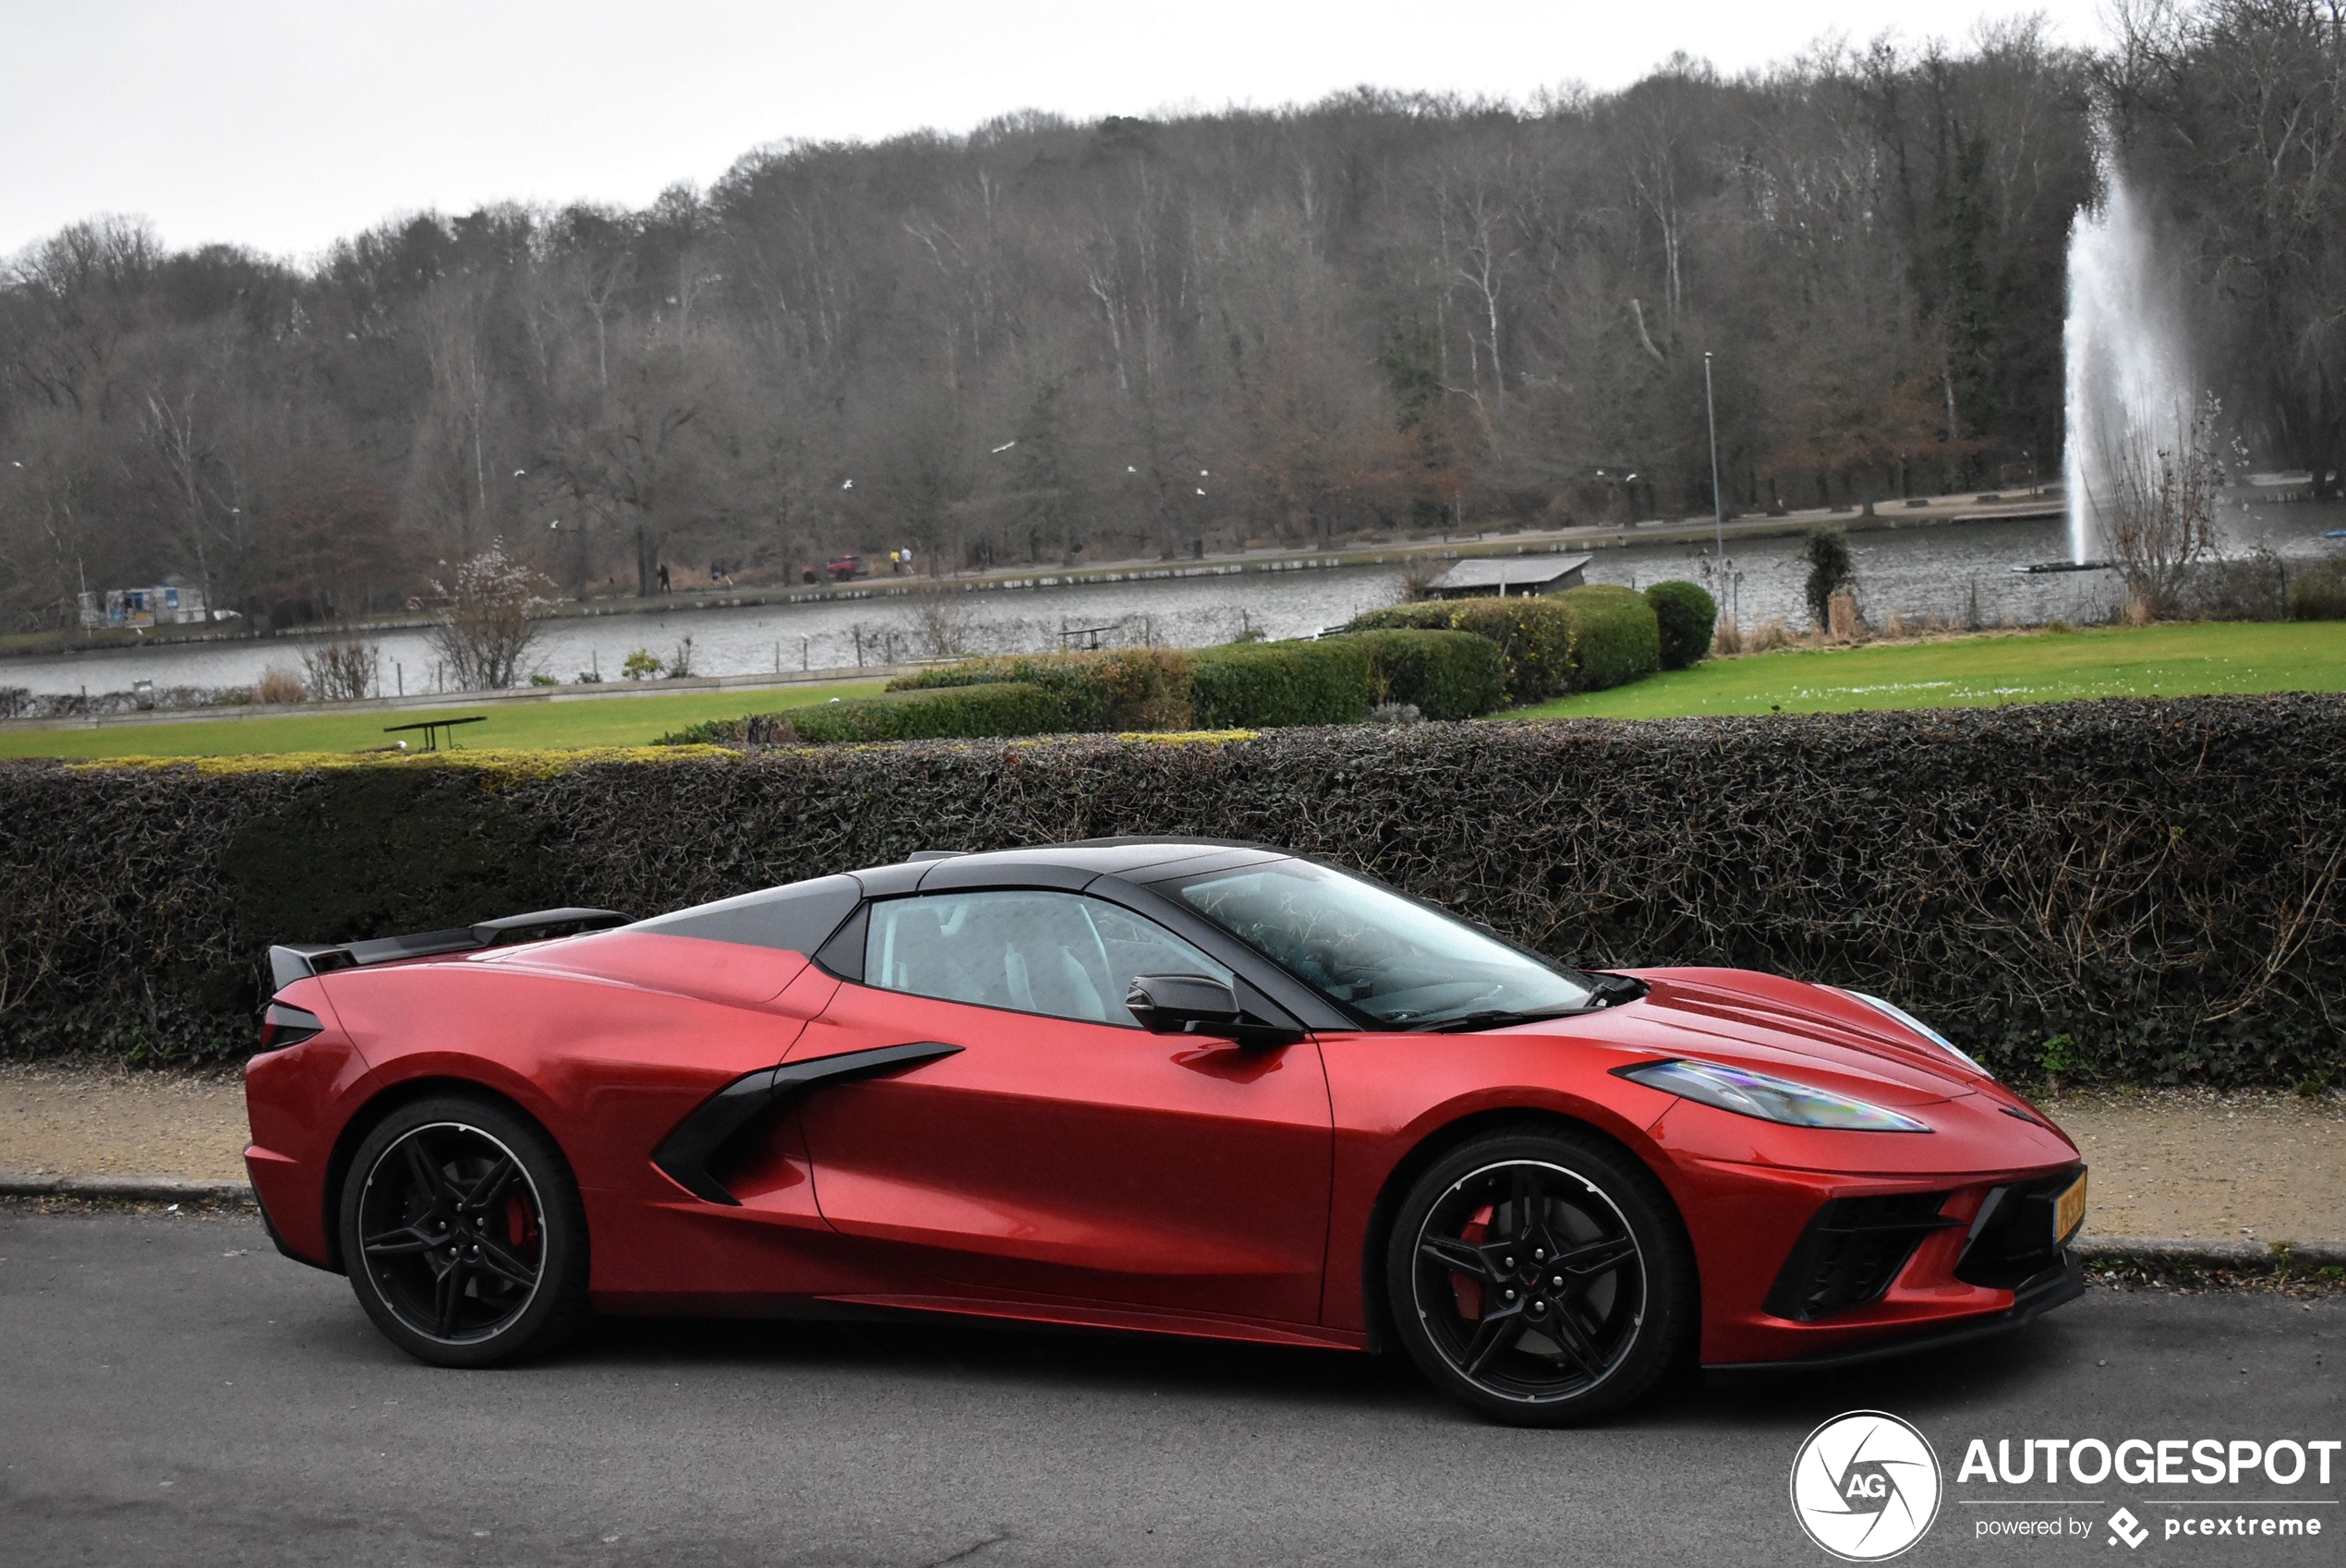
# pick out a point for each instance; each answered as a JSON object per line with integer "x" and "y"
{"x": 1049, "y": 341}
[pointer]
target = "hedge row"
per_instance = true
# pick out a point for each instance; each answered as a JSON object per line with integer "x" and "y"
{"x": 966, "y": 713}
{"x": 2124, "y": 874}
{"x": 1243, "y": 686}
{"x": 1581, "y": 640}
{"x": 1116, "y": 691}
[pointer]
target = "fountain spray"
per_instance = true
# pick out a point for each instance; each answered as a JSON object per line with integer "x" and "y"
{"x": 2126, "y": 361}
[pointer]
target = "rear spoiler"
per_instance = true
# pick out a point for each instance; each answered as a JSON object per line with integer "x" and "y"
{"x": 299, "y": 960}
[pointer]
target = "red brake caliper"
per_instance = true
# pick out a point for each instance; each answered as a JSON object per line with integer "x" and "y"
{"x": 520, "y": 1224}
{"x": 1468, "y": 1292}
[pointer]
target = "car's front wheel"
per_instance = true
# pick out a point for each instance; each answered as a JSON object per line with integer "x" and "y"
{"x": 464, "y": 1235}
{"x": 1541, "y": 1277}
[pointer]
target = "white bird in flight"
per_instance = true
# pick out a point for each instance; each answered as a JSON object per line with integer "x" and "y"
{"x": 1004, "y": 447}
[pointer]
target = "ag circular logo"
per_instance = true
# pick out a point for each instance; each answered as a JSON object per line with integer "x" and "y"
{"x": 1865, "y": 1485}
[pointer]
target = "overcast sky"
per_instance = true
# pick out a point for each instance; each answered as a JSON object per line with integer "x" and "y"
{"x": 283, "y": 124}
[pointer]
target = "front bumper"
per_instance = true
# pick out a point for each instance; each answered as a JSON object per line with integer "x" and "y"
{"x": 1919, "y": 1244}
{"x": 2061, "y": 1284}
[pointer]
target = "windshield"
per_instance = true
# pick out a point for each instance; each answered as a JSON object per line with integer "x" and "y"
{"x": 1387, "y": 957}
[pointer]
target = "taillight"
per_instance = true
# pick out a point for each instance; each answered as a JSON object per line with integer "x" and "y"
{"x": 282, "y": 1026}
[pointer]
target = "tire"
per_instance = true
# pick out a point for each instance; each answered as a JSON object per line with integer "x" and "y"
{"x": 463, "y": 1234}
{"x": 1541, "y": 1277}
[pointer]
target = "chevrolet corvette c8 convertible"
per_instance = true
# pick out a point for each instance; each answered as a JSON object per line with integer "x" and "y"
{"x": 1168, "y": 1086}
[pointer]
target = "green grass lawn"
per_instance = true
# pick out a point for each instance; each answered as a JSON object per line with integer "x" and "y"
{"x": 598, "y": 721}
{"x": 2170, "y": 660}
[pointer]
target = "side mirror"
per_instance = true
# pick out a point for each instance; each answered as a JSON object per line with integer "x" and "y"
{"x": 1184, "y": 1003}
{"x": 1192, "y": 1005}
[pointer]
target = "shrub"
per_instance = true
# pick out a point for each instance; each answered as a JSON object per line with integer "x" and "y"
{"x": 1830, "y": 571}
{"x": 1581, "y": 640}
{"x": 488, "y": 620}
{"x": 2318, "y": 592}
{"x": 277, "y": 685}
{"x": 755, "y": 729}
{"x": 343, "y": 668}
{"x": 995, "y": 709}
{"x": 1616, "y": 637}
{"x": 1264, "y": 685}
{"x": 1685, "y": 616}
{"x": 1117, "y": 690}
{"x": 2112, "y": 871}
{"x": 1440, "y": 674}
{"x": 1533, "y": 636}
{"x": 1007, "y": 707}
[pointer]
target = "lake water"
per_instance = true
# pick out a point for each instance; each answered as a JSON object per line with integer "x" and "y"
{"x": 1927, "y": 570}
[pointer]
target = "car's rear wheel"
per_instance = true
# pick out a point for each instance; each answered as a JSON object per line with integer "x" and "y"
{"x": 1541, "y": 1277}
{"x": 464, "y": 1235}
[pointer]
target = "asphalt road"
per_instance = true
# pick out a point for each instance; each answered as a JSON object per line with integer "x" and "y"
{"x": 172, "y": 1391}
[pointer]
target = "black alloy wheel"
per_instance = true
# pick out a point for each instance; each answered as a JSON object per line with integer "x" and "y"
{"x": 1539, "y": 1277}
{"x": 463, "y": 1234}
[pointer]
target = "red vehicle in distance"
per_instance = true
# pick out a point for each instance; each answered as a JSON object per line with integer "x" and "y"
{"x": 1162, "y": 1086}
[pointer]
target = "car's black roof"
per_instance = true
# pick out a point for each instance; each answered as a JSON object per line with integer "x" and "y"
{"x": 1113, "y": 857}
{"x": 799, "y": 915}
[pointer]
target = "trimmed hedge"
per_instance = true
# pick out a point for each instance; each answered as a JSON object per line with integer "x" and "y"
{"x": 1245, "y": 685}
{"x": 1617, "y": 638}
{"x": 1008, "y": 707}
{"x": 1117, "y": 690}
{"x": 1265, "y": 685}
{"x": 1687, "y": 616}
{"x": 2123, "y": 873}
{"x": 1442, "y": 674}
{"x": 1000, "y": 709}
{"x": 1581, "y": 640}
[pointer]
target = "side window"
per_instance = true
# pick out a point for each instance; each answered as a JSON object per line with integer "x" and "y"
{"x": 1031, "y": 952}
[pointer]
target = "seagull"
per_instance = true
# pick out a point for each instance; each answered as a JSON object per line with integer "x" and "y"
{"x": 519, "y": 472}
{"x": 1129, "y": 469}
{"x": 1004, "y": 447}
{"x": 1200, "y": 492}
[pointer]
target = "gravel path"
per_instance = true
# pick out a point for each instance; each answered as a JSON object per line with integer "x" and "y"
{"x": 2183, "y": 1163}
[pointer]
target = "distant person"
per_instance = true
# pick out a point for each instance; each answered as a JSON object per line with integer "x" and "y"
{"x": 663, "y": 577}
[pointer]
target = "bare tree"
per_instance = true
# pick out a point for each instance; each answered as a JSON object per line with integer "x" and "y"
{"x": 2160, "y": 514}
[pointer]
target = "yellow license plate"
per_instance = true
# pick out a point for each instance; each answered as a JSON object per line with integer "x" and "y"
{"x": 2069, "y": 1211}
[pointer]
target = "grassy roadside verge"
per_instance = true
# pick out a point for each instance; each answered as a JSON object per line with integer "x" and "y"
{"x": 2196, "y": 658}
{"x": 599, "y": 721}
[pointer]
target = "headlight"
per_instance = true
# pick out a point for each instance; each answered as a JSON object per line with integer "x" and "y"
{"x": 1749, "y": 1093}
{"x": 1901, "y": 1016}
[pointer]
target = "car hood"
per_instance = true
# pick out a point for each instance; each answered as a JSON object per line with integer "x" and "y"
{"x": 1768, "y": 1023}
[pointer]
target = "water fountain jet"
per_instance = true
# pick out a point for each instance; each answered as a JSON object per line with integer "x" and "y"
{"x": 2125, "y": 357}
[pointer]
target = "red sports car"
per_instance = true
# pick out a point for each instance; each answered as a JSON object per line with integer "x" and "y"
{"x": 1163, "y": 1085}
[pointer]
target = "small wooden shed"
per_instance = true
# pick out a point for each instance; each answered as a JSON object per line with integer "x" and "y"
{"x": 1507, "y": 575}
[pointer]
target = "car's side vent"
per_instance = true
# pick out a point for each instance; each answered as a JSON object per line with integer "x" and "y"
{"x": 282, "y": 1025}
{"x": 1851, "y": 1252}
{"x": 2013, "y": 1240}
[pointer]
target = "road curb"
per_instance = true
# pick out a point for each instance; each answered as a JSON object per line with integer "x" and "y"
{"x": 133, "y": 1189}
{"x": 2179, "y": 1253}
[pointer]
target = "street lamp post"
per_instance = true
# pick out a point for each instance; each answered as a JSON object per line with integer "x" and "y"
{"x": 1718, "y": 509}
